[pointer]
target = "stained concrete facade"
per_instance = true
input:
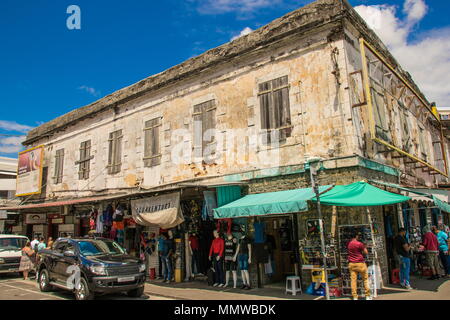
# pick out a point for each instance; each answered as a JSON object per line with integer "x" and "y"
{"x": 316, "y": 47}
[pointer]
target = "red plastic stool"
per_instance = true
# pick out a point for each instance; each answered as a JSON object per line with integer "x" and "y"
{"x": 395, "y": 276}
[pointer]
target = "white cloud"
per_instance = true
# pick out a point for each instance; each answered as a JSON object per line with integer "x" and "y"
{"x": 92, "y": 91}
{"x": 426, "y": 57}
{"x": 14, "y": 126}
{"x": 244, "y": 32}
{"x": 240, "y": 6}
{"x": 10, "y": 145}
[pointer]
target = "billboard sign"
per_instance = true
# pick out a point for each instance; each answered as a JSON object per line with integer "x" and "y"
{"x": 29, "y": 172}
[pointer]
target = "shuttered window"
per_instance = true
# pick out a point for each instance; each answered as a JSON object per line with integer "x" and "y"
{"x": 85, "y": 160}
{"x": 204, "y": 126}
{"x": 152, "y": 151}
{"x": 423, "y": 143}
{"x": 115, "y": 152}
{"x": 275, "y": 109}
{"x": 59, "y": 166}
{"x": 381, "y": 121}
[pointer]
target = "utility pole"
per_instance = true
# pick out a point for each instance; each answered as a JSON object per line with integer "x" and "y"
{"x": 315, "y": 187}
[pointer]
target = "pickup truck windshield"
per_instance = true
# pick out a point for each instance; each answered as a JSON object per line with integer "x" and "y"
{"x": 12, "y": 244}
{"x": 99, "y": 248}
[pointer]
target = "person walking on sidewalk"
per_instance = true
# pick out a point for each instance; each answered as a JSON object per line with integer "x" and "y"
{"x": 357, "y": 265}
{"x": 431, "y": 244}
{"x": 403, "y": 248}
{"x": 443, "y": 249}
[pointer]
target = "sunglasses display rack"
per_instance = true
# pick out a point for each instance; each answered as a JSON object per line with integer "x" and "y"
{"x": 367, "y": 237}
{"x": 311, "y": 253}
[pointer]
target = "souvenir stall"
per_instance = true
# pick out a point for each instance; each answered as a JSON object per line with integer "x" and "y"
{"x": 370, "y": 200}
{"x": 154, "y": 217}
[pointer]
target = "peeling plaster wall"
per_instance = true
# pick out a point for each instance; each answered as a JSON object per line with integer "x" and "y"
{"x": 314, "y": 95}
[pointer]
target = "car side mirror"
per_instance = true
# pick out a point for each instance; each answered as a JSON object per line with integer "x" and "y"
{"x": 69, "y": 254}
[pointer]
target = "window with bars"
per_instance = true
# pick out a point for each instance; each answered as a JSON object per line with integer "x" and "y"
{"x": 152, "y": 151}
{"x": 275, "y": 109}
{"x": 85, "y": 160}
{"x": 59, "y": 166}
{"x": 204, "y": 126}
{"x": 115, "y": 152}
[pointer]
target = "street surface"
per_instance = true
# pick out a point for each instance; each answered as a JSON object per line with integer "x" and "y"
{"x": 13, "y": 287}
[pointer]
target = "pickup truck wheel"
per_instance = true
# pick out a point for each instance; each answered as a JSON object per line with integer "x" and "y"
{"x": 83, "y": 292}
{"x": 44, "y": 281}
{"x": 136, "y": 293}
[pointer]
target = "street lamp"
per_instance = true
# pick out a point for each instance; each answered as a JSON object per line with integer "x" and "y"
{"x": 312, "y": 164}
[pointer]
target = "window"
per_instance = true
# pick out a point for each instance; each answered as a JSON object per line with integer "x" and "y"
{"x": 204, "y": 125}
{"x": 381, "y": 118}
{"x": 115, "y": 152}
{"x": 59, "y": 166}
{"x": 152, "y": 154}
{"x": 275, "y": 110}
{"x": 423, "y": 144}
{"x": 85, "y": 160}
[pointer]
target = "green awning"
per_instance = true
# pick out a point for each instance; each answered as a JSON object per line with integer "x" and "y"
{"x": 360, "y": 194}
{"x": 262, "y": 204}
{"x": 444, "y": 206}
{"x": 435, "y": 194}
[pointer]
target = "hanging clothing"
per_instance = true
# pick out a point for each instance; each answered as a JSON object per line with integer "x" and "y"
{"x": 194, "y": 242}
{"x": 268, "y": 267}
{"x": 224, "y": 225}
{"x": 260, "y": 232}
{"x": 261, "y": 252}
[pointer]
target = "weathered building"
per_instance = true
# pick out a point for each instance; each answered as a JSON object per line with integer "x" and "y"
{"x": 316, "y": 82}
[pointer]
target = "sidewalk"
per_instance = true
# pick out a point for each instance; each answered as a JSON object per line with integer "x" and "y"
{"x": 196, "y": 290}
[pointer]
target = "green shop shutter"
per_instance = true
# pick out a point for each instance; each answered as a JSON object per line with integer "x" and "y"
{"x": 227, "y": 194}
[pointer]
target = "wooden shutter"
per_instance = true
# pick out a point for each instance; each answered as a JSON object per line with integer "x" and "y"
{"x": 115, "y": 152}
{"x": 59, "y": 166}
{"x": 204, "y": 120}
{"x": 85, "y": 160}
{"x": 152, "y": 154}
{"x": 275, "y": 108}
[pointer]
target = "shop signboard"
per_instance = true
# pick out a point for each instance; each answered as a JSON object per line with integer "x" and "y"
{"x": 163, "y": 211}
{"x": 36, "y": 218}
{"x": 29, "y": 172}
{"x": 58, "y": 221}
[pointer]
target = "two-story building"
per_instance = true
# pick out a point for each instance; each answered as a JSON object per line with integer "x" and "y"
{"x": 243, "y": 118}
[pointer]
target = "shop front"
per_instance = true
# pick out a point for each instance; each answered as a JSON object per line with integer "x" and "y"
{"x": 286, "y": 226}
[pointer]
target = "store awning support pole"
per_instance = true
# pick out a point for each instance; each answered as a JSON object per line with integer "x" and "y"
{"x": 322, "y": 237}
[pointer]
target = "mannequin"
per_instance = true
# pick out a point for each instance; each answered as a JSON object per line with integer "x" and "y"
{"x": 245, "y": 259}
{"x": 230, "y": 259}
{"x": 216, "y": 257}
{"x": 189, "y": 273}
{"x": 171, "y": 244}
{"x": 194, "y": 245}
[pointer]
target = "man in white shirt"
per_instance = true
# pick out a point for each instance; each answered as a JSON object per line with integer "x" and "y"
{"x": 34, "y": 243}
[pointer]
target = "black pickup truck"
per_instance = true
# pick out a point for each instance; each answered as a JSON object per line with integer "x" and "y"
{"x": 88, "y": 267}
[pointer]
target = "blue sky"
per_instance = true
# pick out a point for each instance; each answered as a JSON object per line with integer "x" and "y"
{"x": 48, "y": 70}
